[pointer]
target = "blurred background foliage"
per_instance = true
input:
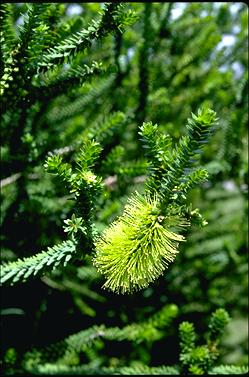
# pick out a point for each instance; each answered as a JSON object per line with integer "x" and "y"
{"x": 174, "y": 59}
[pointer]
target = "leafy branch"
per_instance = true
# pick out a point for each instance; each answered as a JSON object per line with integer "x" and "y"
{"x": 137, "y": 248}
{"x": 48, "y": 260}
{"x": 113, "y": 18}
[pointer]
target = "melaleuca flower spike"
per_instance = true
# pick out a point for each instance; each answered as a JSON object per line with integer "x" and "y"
{"x": 138, "y": 247}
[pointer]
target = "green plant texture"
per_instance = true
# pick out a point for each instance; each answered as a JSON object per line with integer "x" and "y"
{"x": 124, "y": 181}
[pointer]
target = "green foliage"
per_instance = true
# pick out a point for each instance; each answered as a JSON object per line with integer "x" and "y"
{"x": 219, "y": 320}
{"x": 83, "y": 185}
{"x": 146, "y": 331}
{"x": 70, "y": 78}
{"x": 134, "y": 198}
{"x": 112, "y": 17}
{"x": 198, "y": 130}
{"x": 50, "y": 369}
{"x": 157, "y": 147}
{"x": 200, "y": 359}
{"x": 229, "y": 369}
{"x": 21, "y": 270}
{"x": 104, "y": 129}
{"x": 169, "y": 166}
{"x": 7, "y": 36}
{"x": 188, "y": 336}
{"x": 194, "y": 359}
{"x": 144, "y": 232}
{"x": 72, "y": 108}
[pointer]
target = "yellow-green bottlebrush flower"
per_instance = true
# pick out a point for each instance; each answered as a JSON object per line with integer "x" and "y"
{"x": 137, "y": 247}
